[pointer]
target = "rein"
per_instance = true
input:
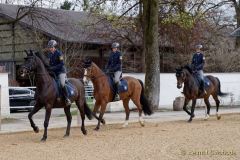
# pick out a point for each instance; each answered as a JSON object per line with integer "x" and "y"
{"x": 93, "y": 78}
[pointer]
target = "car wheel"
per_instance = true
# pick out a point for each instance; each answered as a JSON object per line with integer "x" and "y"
{"x": 32, "y": 103}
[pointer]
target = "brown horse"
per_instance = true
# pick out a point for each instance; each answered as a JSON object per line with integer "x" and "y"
{"x": 46, "y": 94}
{"x": 191, "y": 90}
{"x": 103, "y": 93}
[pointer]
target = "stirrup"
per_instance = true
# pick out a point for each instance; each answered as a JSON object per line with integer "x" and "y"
{"x": 68, "y": 102}
{"x": 116, "y": 98}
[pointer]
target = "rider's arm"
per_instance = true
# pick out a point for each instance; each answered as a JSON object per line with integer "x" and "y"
{"x": 200, "y": 66}
{"x": 60, "y": 63}
{"x": 118, "y": 65}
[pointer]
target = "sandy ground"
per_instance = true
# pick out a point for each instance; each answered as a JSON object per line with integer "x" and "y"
{"x": 179, "y": 140}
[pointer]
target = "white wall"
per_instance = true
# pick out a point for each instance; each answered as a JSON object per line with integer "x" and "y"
{"x": 230, "y": 82}
{"x": 5, "y": 109}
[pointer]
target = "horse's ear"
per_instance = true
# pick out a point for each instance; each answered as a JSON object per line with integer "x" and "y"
{"x": 31, "y": 53}
{"x": 87, "y": 62}
{"x": 178, "y": 68}
{"x": 26, "y": 52}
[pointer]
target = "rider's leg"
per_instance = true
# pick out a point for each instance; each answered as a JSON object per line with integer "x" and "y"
{"x": 202, "y": 88}
{"x": 117, "y": 76}
{"x": 62, "y": 77}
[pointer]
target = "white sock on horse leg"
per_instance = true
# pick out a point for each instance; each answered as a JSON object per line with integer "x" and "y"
{"x": 125, "y": 123}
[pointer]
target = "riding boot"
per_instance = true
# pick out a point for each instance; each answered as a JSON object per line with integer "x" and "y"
{"x": 202, "y": 90}
{"x": 67, "y": 100}
{"x": 116, "y": 98}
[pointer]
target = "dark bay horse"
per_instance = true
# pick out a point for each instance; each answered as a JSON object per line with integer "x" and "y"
{"x": 103, "y": 93}
{"x": 46, "y": 94}
{"x": 191, "y": 90}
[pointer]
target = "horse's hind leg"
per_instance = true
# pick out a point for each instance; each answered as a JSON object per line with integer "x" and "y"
{"x": 208, "y": 108}
{"x": 138, "y": 104}
{"x": 35, "y": 109}
{"x": 69, "y": 120}
{"x": 46, "y": 121}
{"x": 80, "y": 105}
{"x": 127, "y": 111}
{"x": 215, "y": 97}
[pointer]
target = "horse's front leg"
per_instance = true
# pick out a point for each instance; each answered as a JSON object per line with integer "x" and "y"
{"x": 102, "y": 111}
{"x": 69, "y": 120}
{"x": 35, "y": 109}
{"x": 127, "y": 111}
{"x": 186, "y": 101}
{"x": 46, "y": 121}
{"x": 95, "y": 110}
{"x": 192, "y": 110}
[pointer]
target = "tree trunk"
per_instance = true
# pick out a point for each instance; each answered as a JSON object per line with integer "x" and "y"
{"x": 237, "y": 10}
{"x": 152, "y": 77}
{"x": 141, "y": 22}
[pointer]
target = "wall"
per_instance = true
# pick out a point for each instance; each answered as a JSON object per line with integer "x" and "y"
{"x": 14, "y": 39}
{"x": 5, "y": 110}
{"x": 230, "y": 82}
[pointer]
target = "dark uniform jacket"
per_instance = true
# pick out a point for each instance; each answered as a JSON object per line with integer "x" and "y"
{"x": 56, "y": 62}
{"x": 115, "y": 62}
{"x": 198, "y": 61}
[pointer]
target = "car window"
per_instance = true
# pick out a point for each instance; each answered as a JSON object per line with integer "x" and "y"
{"x": 11, "y": 91}
{"x": 21, "y": 92}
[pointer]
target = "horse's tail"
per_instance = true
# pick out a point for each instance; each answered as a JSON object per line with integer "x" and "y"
{"x": 220, "y": 93}
{"x": 87, "y": 110}
{"x": 144, "y": 102}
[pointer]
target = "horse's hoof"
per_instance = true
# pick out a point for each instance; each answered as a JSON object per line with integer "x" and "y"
{"x": 142, "y": 124}
{"x": 44, "y": 139}
{"x": 96, "y": 129}
{"x": 66, "y": 135}
{"x": 84, "y": 131}
{"x": 36, "y": 129}
{"x": 190, "y": 120}
{"x": 206, "y": 117}
{"x": 103, "y": 122}
{"x": 124, "y": 125}
{"x": 218, "y": 117}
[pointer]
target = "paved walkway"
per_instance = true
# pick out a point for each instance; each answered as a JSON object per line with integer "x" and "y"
{"x": 18, "y": 122}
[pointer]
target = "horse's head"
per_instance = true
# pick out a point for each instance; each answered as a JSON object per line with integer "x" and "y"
{"x": 181, "y": 77}
{"x": 88, "y": 70}
{"x": 29, "y": 65}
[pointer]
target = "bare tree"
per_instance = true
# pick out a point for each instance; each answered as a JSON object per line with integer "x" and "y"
{"x": 152, "y": 77}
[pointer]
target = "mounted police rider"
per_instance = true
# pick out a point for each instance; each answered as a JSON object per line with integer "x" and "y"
{"x": 114, "y": 64}
{"x": 57, "y": 67}
{"x": 198, "y": 61}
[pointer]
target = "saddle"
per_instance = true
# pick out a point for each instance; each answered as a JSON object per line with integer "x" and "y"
{"x": 199, "y": 81}
{"x": 69, "y": 86}
{"x": 117, "y": 88}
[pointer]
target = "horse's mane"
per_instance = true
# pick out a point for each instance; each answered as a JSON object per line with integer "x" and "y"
{"x": 43, "y": 58}
{"x": 188, "y": 67}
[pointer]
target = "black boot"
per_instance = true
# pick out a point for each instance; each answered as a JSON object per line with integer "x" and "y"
{"x": 68, "y": 101}
{"x": 202, "y": 91}
{"x": 116, "y": 98}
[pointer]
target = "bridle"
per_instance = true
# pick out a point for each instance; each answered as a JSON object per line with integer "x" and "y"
{"x": 28, "y": 67}
{"x": 180, "y": 74}
{"x": 90, "y": 75}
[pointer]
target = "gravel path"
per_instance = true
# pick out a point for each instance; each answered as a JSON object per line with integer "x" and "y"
{"x": 178, "y": 140}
